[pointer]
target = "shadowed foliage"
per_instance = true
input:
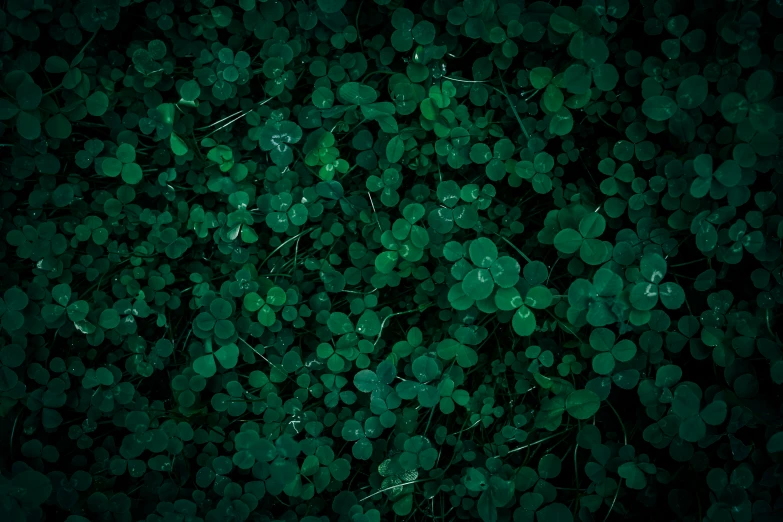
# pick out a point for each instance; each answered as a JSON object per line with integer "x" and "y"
{"x": 377, "y": 260}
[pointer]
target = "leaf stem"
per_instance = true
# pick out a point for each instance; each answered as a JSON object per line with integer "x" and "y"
{"x": 513, "y": 108}
{"x": 539, "y": 441}
{"x": 395, "y": 486}
{"x": 688, "y": 263}
{"x": 284, "y": 243}
{"x": 625, "y": 433}
{"x": 515, "y": 248}
{"x": 419, "y": 308}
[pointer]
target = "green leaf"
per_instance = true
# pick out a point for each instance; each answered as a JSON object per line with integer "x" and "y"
{"x": 109, "y": 319}
{"x": 56, "y": 65}
{"x": 178, "y": 145}
{"x": 77, "y": 311}
{"x": 331, "y": 6}
{"x": 478, "y": 284}
{"x": 692, "y": 92}
{"x": 7, "y": 110}
{"x": 775, "y": 443}
{"x": 653, "y": 267}
{"x": 365, "y": 381}
{"x": 659, "y": 108}
{"x": 714, "y": 413}
{"x": 31, "y": 488}
{"x": 465, "y": 356}
{"x": 480, "y": 153}
{"x": 582, "y": 404}
{"x": 58, "y": 127}
{"x": 97, "y": 103}
{"x": 644, "y": 296}
{"x": 672, "y": 295}
{"x": 540, "y": 77}
{"x": 395, "y": 149}
{"x": 592, "y": 225}
{"x": 634, "y": 477}
{"x": 190, "y": 90}
{"x": 624, "y": 351}
{"x": 369, "y": 324}
{"x": 505, "y": 271}
{"x": 205, "y": 366}
{"x": 352, "y": 430}
{"x": 357, "y": 93}
{"x": 60, "y": 293}
{"x": 552, "y": 99}
{"x": 340, "y": 469}
{"x": 28, "y": 125}
{"x": 339, "y": 323}
{"x": 524, "y": 322}
{"x": 425, "y": 369}
{"x": 602, "y": 339}
{"x": 15, "y": 298}
{"x": 486, "y": 508}
{"x": 729, "y": 173}
{"x": 483, "y": 252}
{"x": 568, "y": 241}
{"x": 539, "y": 297}
{"x": 383, "y": 113}
{"x": 403, "y": 506}
{"x": 555, "y": 512}
{"x": 734, "y": 107}
{"x": 28, "y": 96}
{"x": 562, "y": 122}
{"x": 424, "y": 32}
{"x": 759, "y": 85}
{"x": 228, "y": 356}
{"x": 132, "y": 174}
{"x": 603, "y": 363}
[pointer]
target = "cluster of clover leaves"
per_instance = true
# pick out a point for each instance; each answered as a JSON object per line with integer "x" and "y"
{"x": 329, "y": 260}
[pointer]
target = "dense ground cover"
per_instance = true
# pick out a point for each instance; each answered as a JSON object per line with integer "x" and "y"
{"x": 382, "y": 260}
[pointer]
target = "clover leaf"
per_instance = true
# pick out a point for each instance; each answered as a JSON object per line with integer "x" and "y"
{"x": 645, "y": 294}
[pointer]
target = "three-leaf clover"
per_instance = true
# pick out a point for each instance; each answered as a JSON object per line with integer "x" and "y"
{"x": 277, "y": 137}
{"x": 425, "y": 369}
{"x": 227, "y": 355}
{"x": 644, "y": 294}
{"x": 285, "y": 213}
{"x": 686, "y": 404}
{"x": 536, "y": 171}
{"x": 608, "y": 167}
{"x": 752, "y": 242}
{"x": 602, "y": 340}
{"x": 406, "y": 239}
{"x": 715, "y": 183}
{"x": 592, "y": 250}
{"x": 490, "y": 270}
